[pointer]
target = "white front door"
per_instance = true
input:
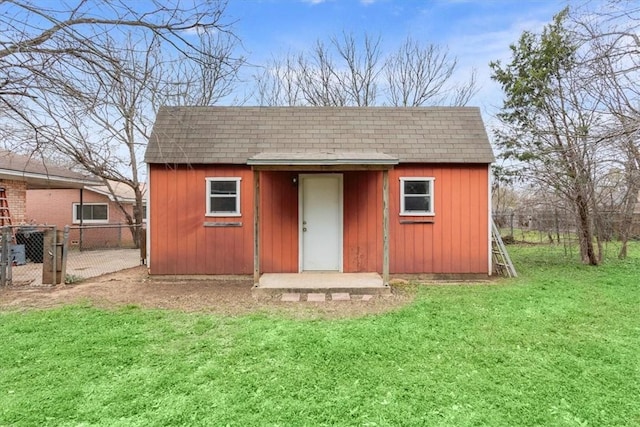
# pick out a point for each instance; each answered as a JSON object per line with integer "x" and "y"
{"x": 321, "y": 222}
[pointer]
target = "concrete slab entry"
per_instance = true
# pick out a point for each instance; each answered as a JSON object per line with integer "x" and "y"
{"x": 314, "y": 297}
{"x": 290, "y": 297}
{"x": 340, "y": 296}
{"x": 320, "y": 282}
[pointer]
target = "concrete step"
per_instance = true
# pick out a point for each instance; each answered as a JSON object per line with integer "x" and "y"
{"x": 316, "y": 283}
{"x": 258, "y": 291}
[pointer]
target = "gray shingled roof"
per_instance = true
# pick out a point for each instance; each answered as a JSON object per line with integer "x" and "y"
{"x": 234, "y": 134}
{"x": 38, "y": 174}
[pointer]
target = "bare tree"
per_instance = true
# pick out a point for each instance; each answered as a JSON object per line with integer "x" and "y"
{"x": 361, "y": 63}
{"x": 212, "y": 77}
{"x": 105, "y": 133}
{"x": 464, "y": 91}
{"x": 421, "y": 75}
{"x": 277, "y": 83}
{"x": 316, "y": 76}
{"x": 85, "y": 81}
{"x": 37, "y": 38}
{"x": 611, "y": 36}
{"x": 348, "y": 71}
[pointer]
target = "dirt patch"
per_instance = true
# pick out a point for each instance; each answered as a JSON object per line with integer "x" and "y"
{"x": 134, "y": 287}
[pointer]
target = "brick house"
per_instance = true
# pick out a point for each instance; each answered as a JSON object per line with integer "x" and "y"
{"x": 19, "y": 174}
{"x": 241, "y": 190}
{"x": 103, "y": 221}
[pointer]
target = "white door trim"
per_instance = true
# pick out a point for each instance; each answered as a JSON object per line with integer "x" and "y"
{"x": 340, "y": 230}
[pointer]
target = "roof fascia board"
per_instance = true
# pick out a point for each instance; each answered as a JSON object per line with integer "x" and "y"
{"x": 55, "y": 178}
{"x": 323, "y": 162}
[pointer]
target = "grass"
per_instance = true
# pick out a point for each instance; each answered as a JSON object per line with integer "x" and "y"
{"x": 557, "y": 346}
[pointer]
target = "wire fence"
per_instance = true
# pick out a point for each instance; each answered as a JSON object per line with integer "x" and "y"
{"x": 550, "y": 226}
{"x": 91, "y": 237}
{"x": 46, "y": 255}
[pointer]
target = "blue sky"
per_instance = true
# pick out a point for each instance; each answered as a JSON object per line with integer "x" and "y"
{"x": 476, "y": 32}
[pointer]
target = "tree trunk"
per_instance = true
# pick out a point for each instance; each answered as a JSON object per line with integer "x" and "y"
{"x": 138, "y": 217}
{"x": 585, "y": 235}
{"x": 630, "y": 200}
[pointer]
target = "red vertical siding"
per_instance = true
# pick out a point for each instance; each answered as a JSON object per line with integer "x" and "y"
{"x": 180, "y": 241}
{"x": 456, "y": 240}
{"x": 362, "y": 238}
{"x": 278, "y": 222}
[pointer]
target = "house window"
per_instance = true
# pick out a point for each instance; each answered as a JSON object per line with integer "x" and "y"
{"x": 91, "y": 212}
{"x": 416, "y": 196}
{"x": 223, "y": 196}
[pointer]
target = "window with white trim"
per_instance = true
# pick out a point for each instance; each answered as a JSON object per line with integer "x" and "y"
{"x": 416, "y": 196}
{"x": 223, "y": 196}
{"x": 91, "y": 213}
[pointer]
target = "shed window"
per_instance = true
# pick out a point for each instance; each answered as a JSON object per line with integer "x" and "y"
{"x": 416, "y": 196}
{"x": 91, "y": 212}
{"x": 223, "y": 196}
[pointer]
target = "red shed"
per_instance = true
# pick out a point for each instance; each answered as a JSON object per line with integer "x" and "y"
{"x": 241, "y": 190}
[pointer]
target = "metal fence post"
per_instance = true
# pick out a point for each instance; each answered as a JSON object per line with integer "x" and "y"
{"x": 65, "y": 247}
{"x": 9, "y": 238}
{"x": 4, "y": 256}
{"x": 54, "y": 254}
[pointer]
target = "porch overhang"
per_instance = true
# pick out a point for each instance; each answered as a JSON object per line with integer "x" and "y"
{"x": 323, "y": 161}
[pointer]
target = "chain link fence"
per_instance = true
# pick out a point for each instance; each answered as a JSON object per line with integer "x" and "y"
{"x": 45, "y": 255}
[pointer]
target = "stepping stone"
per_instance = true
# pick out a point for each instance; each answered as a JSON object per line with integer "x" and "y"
{"x": 367, "y": 297}
{"x": 340, "y": 296}
{"x": 316, "y": 297}
{"x": 290, "y": 297}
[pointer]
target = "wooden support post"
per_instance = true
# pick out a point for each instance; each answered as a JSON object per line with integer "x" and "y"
{"x": 52, "y": 257}
{"x": 385, "y": 227}
{"x": 256, "y": 227}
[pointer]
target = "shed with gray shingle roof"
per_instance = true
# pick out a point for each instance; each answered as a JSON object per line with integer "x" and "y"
{"x": 236, "y": 190}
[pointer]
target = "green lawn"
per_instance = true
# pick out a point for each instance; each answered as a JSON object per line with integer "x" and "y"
{"x": 558, "y": 346}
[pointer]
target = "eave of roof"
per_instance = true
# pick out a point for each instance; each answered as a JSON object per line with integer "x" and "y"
{"x": 124, "y": 193}
{"x": 37, "y": 174}
{"x": 42, "y": 181}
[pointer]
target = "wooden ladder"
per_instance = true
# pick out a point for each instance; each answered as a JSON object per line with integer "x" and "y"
{"x": 5, "y": 214}
{"x": 501, "y": 259}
